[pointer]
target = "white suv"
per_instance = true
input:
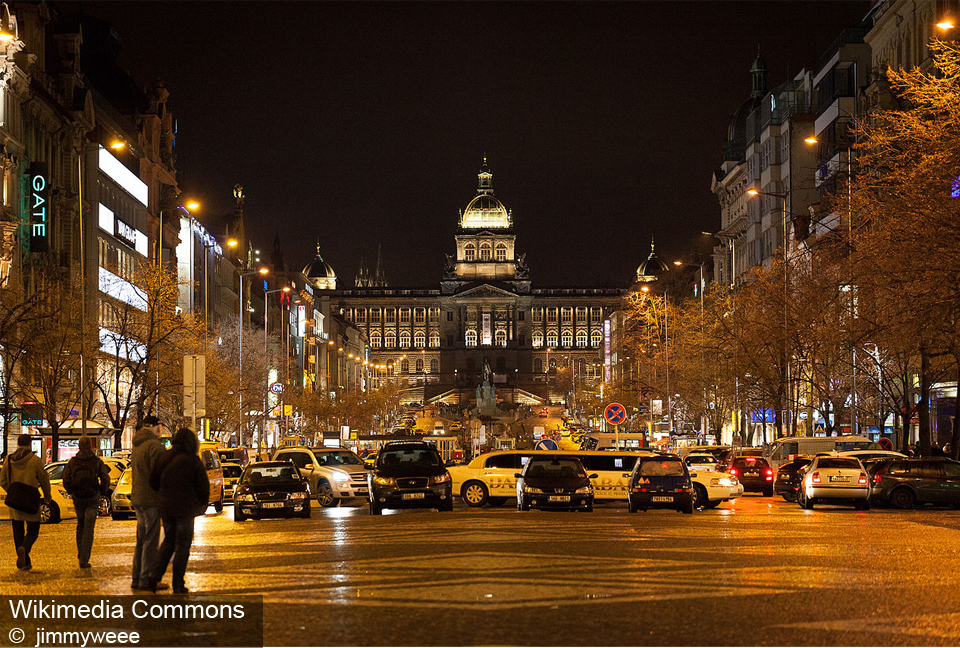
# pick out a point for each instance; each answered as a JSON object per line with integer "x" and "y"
{"x": 333, "y": 473}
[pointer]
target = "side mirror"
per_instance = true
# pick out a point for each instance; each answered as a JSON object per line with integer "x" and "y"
{"x": 517, "y": 475}
{"x": 593, "y": 476}
{"x": 308, "y": 465}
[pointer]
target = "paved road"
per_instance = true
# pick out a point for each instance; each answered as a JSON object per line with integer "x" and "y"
{"x": 762, "y": 572}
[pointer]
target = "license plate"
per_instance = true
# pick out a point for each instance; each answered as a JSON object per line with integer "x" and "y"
{"x": 272, "y": 505}
{"x": 750, "y": 473}
{"x": 558, "y": 498}
{"x": 839, "y": 478}
{"x": 413, "y": 496}
{"x": 661, "y": 498}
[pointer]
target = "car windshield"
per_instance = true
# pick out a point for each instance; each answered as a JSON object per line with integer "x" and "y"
{"x": 838, "y": 462}
{"x": 338, "y": 458}
{"x": 666, "y": 468}
{"x": 127, "y": 477}
{"x": 701, "y": 459}
{"x": 410, "y": 457}
{"x": 260, "y": 474}
{"x": 230, "y": 470}
{"x": 563, "y": 468}
{"x": 56, "y": 472}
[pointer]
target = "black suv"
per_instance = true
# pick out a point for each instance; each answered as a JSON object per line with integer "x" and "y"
{"x": 790, "y": 476}
{"x": 754, "y": 473}
{"x": 660, "y": 481}
{"x": 409, "y": 474}
{"x": 923, "y": 480}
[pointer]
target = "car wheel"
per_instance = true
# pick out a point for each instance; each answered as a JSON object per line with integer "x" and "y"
{"x": 106, "y": 504}
{"x": 49, "y": 513}
{"x": 903, "y": 498}
{"x": 238, "y": 516}
{"x": 700, "y": 493}
{"x": 474, "y": 493}
{"x": 789, "y": 497}
{"x": 496, "y": 501}
{"x": 325, "y": 496}
{"x": 375, "y": 509}
{"x": 218, "y": 506}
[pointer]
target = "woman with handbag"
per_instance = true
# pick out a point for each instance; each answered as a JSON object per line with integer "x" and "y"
{"x": 22, "y": 474}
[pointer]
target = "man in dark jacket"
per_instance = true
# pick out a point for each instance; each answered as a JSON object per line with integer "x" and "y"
{"x": 147, "y": 449}
{"x": 184, "y": 490}
{"x": 86, "y": 478}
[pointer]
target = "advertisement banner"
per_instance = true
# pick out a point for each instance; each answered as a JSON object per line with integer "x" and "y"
{"x": 486, "y": 338}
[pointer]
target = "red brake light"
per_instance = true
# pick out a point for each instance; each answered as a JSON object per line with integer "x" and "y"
{"x": 816, "y": 478}
{"x": 769, "y": 471}
{"x": 878, "y": 477}
{"x": 732, "y": 471}
{"x": 749, "y": 459}
{"x": 863, "y": 478}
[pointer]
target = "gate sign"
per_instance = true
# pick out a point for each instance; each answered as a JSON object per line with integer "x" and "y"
{"x": 615, "y": 413}
{"x": 39, "y": 205}
{"x": 276, "y": 388}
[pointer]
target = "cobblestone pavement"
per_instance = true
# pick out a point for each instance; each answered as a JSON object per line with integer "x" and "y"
{"x": 761, "y": 572}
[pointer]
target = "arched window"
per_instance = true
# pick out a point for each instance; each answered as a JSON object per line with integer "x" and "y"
{"x": 581, "y": 338}
{"x": 567, "y": 338}
{"x": 553, "y": 363}
{"x": 537, "y": 365}
{"x": 420, "y": 340}
{"x": 500, "y": 252}
{"x": 471, "y": 338}
{"x": 404, "y": 366}
{"x": 419, "y": 365}
{"x": 485, "y": 252}
{"x": 390, "y": 339}
{"x": 596, "y": 338}
{"x": 500, "y": 338}
{"x": 434, "y": 340}
{"x": 434, "y": 366}
{"x": 551, "y": 338}
{"x": 469, "y": 252}
{"x": 537, "y": 339}
{"x": 390, "y": 370}
{"x": 375, "y": 339}
{"x": 405, "y": 340}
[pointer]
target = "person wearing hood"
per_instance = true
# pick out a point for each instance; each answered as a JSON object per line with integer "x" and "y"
{"x": 147, "y": 450}
{"x": 184, "y": 488}
{"x": 25, "y": 467}
{"x": 86, "y": 478}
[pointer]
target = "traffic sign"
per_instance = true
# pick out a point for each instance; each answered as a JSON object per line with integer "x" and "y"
{"x": 819, "y": 426}
{"x": 276, "y": 388}
{"x": 885, "y": 443}
{"x": 615, "y": 413}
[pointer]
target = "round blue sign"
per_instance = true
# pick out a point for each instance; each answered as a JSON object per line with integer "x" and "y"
{"x": 276, "y": 388}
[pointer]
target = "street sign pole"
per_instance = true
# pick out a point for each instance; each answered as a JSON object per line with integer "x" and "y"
{"x": 616, "y": 432}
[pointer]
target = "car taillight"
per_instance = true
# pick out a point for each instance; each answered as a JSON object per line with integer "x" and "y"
{"x": 750, "y": 459}
{"x": 816, "y": 478}
{"x": 733, "y": 471}
{"x": 863, "y": 478}
{"x": 769, "y": 474}
{"x": 878, "y": 477}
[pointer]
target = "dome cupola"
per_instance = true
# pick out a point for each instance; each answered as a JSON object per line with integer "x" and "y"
{"x": 485, "y": 211}
{"x": 320, "y": 273}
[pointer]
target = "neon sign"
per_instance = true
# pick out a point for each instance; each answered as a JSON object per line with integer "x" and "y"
{"x": 39, "y": 206}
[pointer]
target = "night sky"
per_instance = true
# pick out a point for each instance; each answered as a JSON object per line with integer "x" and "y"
{"x": 366, "y": 123}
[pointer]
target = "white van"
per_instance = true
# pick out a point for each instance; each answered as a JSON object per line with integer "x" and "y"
{"x": 789, "y": 448}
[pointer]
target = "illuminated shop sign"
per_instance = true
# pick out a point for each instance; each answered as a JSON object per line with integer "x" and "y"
{"x": 125, "y": 233}
{"x": 123, "y": 176}
{"x": 39, "y": 206}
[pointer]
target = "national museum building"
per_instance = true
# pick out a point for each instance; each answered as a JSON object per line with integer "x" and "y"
{"x": 437, "y": 342}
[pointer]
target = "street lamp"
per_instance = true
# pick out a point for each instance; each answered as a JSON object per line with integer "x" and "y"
{"x": 786, "y": 266}
{"x": 261, "y": 271}
{"x": 266, "y": 309}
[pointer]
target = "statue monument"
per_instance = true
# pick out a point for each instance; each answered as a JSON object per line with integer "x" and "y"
{"x": 486, "y": 393}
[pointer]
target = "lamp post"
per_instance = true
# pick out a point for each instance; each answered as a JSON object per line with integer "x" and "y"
{"x": 240, "y": 302}
{"x": 266, "y": 394}
{"x": 786, "y": 266}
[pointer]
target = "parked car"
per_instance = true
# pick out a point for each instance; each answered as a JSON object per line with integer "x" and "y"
{"x": 271, "y": 488}
{"x": 715, "y": 450}
{"x": 240, "y": 455}
{"x": 554, "y": 482}
{"x": 660, "y": 481}
{"x": 121, "y": 507}
{"x": 60, "y": 507}
{"x": 905, "y": 482}
{"x": 409, "y": 474}
{"x": 789, "y": 477}
{"x": 754, "y": 473}
{"x": 700, "y": 461}
{"x": 232, "y": 471}
{"x": 725, "y": 458}
{"x": 838, "y": 480}
{"x": 334, "y": 474}
{"x": 115, "y": 465}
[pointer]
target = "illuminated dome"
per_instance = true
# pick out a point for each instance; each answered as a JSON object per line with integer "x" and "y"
{"x": 320, "y": 273}
{"x": 485, "y": 211}
{"x": 652, "y": 268}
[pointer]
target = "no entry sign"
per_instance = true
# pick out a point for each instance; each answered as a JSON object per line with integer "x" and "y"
{"x": 615, "y": 413}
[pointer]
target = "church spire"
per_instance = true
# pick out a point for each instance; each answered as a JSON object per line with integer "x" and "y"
{"x": 759, "y": 73}
{"x": 485, "y": 178}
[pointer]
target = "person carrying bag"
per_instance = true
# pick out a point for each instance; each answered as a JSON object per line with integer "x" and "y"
{"x": 86, "y": 478}
{"x": 21, "y": 477}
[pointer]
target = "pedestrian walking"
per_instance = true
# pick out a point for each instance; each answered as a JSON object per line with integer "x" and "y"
{"x": 184, "y": 488}
{"x": 22, "y": 474}
{"x": 86, "y": 479}
{"x": 147, "y": 450}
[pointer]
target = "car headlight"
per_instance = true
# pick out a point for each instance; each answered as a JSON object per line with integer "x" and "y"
{"x": 532, "y": 489}
{"x": 723, "y": 481}
{"x": 245, "y": 498}
{"x": 341, "y": 476}
{"x": 383, "y": 481}
{"x": 296, "y": 496}
{"x": 442, "y": 479}
{"x": 586, "y": 490}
